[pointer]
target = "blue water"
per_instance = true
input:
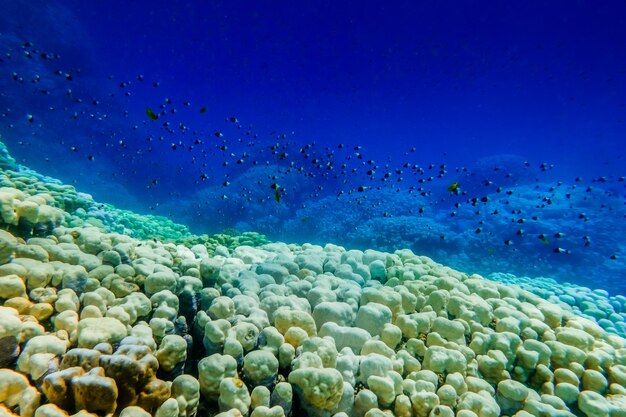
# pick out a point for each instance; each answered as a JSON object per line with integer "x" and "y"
{"x": 520, "y": 104}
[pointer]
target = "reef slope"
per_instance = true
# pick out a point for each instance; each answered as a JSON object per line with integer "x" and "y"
{"x": 106, "y": 312}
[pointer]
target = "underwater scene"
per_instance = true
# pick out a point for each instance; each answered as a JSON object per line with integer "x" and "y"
{"x": 330, "y": 208}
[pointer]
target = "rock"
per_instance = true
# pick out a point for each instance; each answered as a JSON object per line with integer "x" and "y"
{"x": 153, "y": 394}
{"x": 12, "y": 286}
{"x": 234, "y": 395}
{"x": 211, "y": 370}
{"x": 92, "y": 331}
{"x": 320, "y": 388}
{"x": 41, "y": 355}
{"x": 260, "y": 367}
{"x": 9, "y": 351}
{"x": 8, "y": 243}
{"x": 373, "y": 317}
{"x": 132, "y": 367}
{"x": 50, "y": 410}
{"x": 95, "y": 392}
{"x": 186, "y": 391}
{"x": 57, "y": 386}
{"x": 593, "y": 404}
{"x": 15, "y": 391}
{"x": 511, "y": 395}
{"x": 172, "y": 354}
{"x": 134, "y": 411}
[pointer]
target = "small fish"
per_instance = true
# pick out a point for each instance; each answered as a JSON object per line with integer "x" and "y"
{"x": 203, "y": 110}
{"x": 151, "y": 115}
{"x": 454, "y": 188}
{"x": 508, "y": 242}
{"x": 543, "y": 238}
{"x": 276, "y": 189}
{"x": 561, "y": 250}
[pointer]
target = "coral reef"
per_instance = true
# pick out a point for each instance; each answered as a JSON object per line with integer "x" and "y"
{"x": 107, "y": 324}
{"x": 466, "y": 231}
{"x": 109, "y": 313}
{"x": 32, "y": 204}
{"x": 609, "y": 311}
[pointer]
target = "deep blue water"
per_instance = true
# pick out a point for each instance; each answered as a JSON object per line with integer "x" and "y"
{"x": 361, "y": 116}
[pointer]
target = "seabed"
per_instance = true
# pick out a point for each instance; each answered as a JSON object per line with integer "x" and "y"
{"x": 105, "y": 312}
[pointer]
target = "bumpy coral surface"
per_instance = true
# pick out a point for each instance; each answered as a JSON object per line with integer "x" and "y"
{"x": 94, "y": 322}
